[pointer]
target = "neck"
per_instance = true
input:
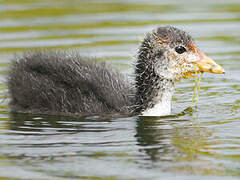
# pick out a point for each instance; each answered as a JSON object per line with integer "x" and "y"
{"x": 154, "y": 87}
{"x": 162, "y": 106}
{"x": 155, "y": 99}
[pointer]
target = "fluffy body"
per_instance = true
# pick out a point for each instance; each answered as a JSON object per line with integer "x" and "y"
{"x": 61, "y": 83}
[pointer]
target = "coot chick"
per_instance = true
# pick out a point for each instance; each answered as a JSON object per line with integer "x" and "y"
{"x": 53, "y": 82}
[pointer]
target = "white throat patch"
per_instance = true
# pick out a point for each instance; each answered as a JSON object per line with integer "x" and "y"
{"x": 163, "y": 108}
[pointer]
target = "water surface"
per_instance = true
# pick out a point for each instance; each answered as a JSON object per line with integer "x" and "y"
{"x": 203, "y": 143}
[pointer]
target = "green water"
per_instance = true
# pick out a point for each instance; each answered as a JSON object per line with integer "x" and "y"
{"x": 203, "y": 143}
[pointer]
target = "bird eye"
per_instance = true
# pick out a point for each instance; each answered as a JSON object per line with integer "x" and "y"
{"x": 180, "y": 49}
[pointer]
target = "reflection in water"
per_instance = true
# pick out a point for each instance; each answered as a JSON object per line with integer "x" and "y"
{"x": 171, "y": 144}
{"x": 155, "y": 135}
{"x": 185, "y": 146}
{"x": 37, "y": 124}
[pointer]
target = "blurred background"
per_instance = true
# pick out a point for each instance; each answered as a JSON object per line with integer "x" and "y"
{"x": 201, "y": 144}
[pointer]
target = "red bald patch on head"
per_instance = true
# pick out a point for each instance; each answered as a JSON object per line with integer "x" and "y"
{"x": 192, "y": 47}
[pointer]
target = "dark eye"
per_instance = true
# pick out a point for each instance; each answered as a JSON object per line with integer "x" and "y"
{"x": 180, "y": 49}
